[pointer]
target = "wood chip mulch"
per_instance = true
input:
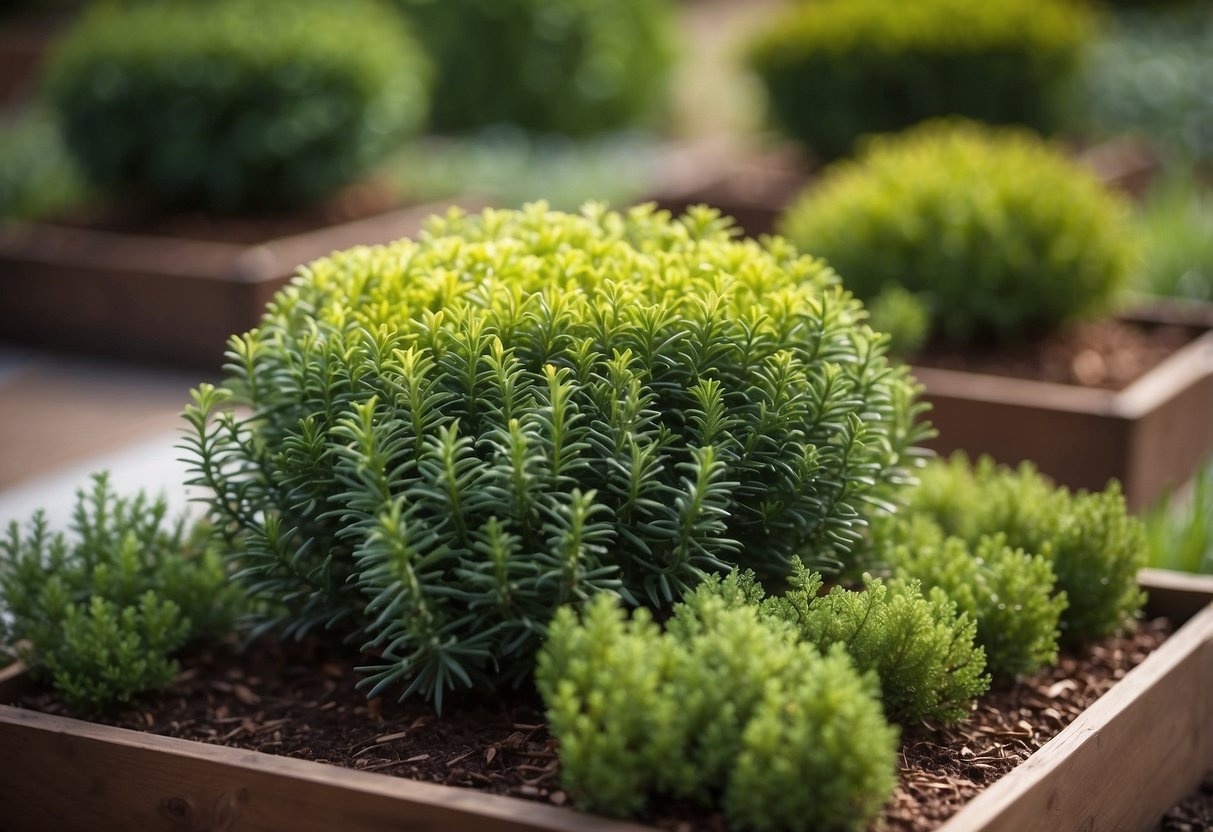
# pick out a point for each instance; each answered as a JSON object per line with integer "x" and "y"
{"x": 299, "y": 700}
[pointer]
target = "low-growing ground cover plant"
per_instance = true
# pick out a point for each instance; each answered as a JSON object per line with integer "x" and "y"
{"x": 573, "y": 67}
{"x": 723, "y": 708}
{"x": 921, "y": 648}
{"x": 1086, "y": 539}
{"x": 100, "y": 611}
{"x": 997, "y": 233}
{"x": 452, "y": 437}
{"x": 235, "y": 105}
{"x": 836, "y": 70}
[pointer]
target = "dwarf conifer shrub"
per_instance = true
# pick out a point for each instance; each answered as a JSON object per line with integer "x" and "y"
{"x": 920, "y": 647}
{"x": 1093, "y": 545}
{"x": 733, "y": 709}
{"x": 100, "y": 611}
{"x": 835, "y": 70}
{"x": 575, "y": 67}
{"x": 999, "y": 234}
{"x": 451, "y": 437}
{"x": 235, "y": 105}
{"x": 1009, "y": 593}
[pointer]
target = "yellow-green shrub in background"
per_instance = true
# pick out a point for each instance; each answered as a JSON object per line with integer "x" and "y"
{"x": 997, "y": 232}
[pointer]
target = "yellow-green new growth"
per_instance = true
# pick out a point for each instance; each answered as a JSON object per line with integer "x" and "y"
{"x": 453, "y": 436}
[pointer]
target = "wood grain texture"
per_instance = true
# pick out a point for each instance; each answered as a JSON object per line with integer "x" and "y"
{"x": 1118, "y": 767}
{"x": 66, "y": 775}
{"x": 1128, "y": 758}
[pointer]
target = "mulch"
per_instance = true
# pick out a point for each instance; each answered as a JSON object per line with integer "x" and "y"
{"x": 1107, "y": 355}
{"x": 299, "y": 700}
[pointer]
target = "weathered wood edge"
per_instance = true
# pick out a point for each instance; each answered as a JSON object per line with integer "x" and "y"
{"x": 121, "y": 779}
{"x": 1134, "y": 753}
{"x": 329, "y": 793}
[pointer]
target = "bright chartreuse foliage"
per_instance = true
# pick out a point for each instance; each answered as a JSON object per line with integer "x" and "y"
{"x": 573, "y": 67}
{"x": 451, "y": 437}
{"x": 100, "y": 611}
{"x": 920, "y": 647}
{"x": 999, "y": 234}
{"x": 728, "y": 709}
{"x": 235, "y": 105}
{"x": 836, "y": 70}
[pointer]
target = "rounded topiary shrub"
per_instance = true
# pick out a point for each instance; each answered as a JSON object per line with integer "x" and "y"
{"x": 995, "y": 231}
{"x": 835, "y": 70}
{"x": 234, "y": 105}
{"x": 577, "y": 67}
{"x": 451, "y": 437}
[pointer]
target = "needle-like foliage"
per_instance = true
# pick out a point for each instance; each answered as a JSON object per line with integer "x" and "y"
{"x": 449, "y": 438}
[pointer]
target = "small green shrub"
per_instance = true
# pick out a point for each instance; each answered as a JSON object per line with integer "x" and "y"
{"x": 835, "y": 70}
{"x": 450, "y": 438}
{"x": 996, "y": 232}
{"x": 1179, "y": 532}
{"x": 576, "y": 67}
{"x": 100, "y": 612}
{"x": 920, "y": 647}
{"x": 1010, "y": 594}
{"x": 235, "y": 105}
{"x": 903, "y": 317}
{"x": 1093, "y": 545}
{"x": 735, "y": 707}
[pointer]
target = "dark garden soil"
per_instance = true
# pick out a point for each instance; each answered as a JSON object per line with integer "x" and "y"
{"x": 1108, "y": 355}
{"x": 299, "y": 700}
{"x": 354, "y": 202}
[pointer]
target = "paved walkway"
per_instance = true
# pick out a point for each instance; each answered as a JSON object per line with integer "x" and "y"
{"x": 64, "y": 417}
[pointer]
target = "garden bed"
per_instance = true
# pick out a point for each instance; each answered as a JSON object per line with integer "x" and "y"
{"x": 1150, "y": 434}
{"x": 170, "y": 291}
{"x": 1157, "y": 719}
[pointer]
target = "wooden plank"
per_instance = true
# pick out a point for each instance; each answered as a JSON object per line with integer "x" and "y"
{"x": 1119, "y": 766}
{"x": 67, "y": 775}
{"x": 1128, "y": 758}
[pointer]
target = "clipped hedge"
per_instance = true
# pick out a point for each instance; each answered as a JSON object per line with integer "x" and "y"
{"x": 576, "y": 67}
{"x": 235, "y": 105}
{"x": 451, "y": 437}
{"x": 836, "y": 70}
{"x": 995, "y": 231}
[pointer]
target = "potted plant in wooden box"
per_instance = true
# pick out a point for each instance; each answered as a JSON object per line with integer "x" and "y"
{"x": 1018, "y": 258}
{"x": 218, "y": 133}
{"x": 450, "y": 439}
{"x": 835, "y": 71}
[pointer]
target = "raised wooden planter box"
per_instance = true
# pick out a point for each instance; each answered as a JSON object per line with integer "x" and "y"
{"x": 1120, "y": 765}
{"x": 1150, "y": 436}
{"x": 159, "y": 299}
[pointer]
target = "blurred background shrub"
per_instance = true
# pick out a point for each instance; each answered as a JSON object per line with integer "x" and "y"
{"x": 1179, "y": 529}
{"x": 37, "y": 176}
{"x": 575, "y": 67}
{"x": 235, "y": 105}
{"x": 1153, "y": 76}
{"x": 838, "y": 69}
{"x": 1176, "y": 225}
{"x": 997, "y": 232}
